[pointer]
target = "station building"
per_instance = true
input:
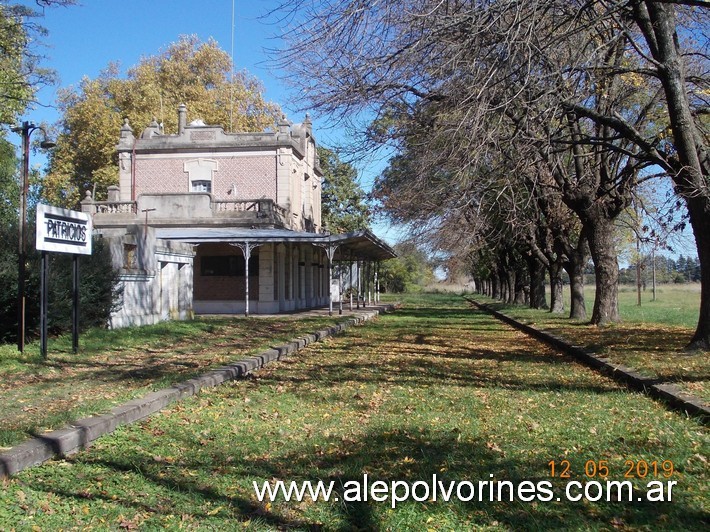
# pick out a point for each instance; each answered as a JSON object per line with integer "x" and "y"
{"x": 210, "y": 222}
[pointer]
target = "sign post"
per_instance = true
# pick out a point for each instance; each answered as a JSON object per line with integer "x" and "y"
{"x": 61, "y": 231}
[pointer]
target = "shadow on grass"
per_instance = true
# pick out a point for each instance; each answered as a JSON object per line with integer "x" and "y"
{"x": 654, "y": 349}
{"x": 401, "y": 454}
{"x": 214, "y": 473}
{"x": 422, "y": 371}
{"x": 141, "y": 367}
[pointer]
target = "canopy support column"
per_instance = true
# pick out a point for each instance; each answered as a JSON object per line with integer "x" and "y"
{"x": 247, "y": 248}
{"x": 329, "y": 249}
{"x": 377, "y": 282}
{"x": 350, "y": 282}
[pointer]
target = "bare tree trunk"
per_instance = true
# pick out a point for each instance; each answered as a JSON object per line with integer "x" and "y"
{"x": 578, "y": 309}
{"x": 600, "y": 235}
{"x": 657, "y": 22}
{"x": 495, "y": 286}
{"x": 502, "y": 275}
{"x": 557, "y": 304}
{"x": 700, "y": 221}
{"x": 510, "y": 286}
{"x": 574, "y": 267}
{"x": 519, "y": 287}
{"x": 537, "y": 283}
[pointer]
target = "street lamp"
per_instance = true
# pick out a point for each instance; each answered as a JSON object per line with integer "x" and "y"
{"x": 25, "y": 130}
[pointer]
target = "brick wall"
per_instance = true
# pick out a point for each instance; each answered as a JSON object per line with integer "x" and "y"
{"x": 254, "y": 176}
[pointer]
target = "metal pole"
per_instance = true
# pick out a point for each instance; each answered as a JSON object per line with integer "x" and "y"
{"x": 43, "y": 300}
{"x": 329, "y": 249}
{"x": 25, "y": 131}
{"x": 638, "y": 271}
{"x": 75, "y": 304}
{"x": 653, "y": 258}
{"x": 22, "y": 252}
{"x": 246, "y": 248}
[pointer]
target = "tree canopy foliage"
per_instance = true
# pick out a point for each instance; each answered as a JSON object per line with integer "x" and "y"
{"x": 343, "y": 201}
{"x": 522, "y": 128}
{"x": 21, "y": 73}
{"x": 410, "y": 271}
{"x": 198, "y": 74}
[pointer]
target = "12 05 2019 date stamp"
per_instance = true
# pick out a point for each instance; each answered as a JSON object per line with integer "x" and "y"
{"x": 615, "y": 480}
{"x": 630, "y": 469}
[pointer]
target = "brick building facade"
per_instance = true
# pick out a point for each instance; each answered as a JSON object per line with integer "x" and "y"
{"x": 191, "y": 207}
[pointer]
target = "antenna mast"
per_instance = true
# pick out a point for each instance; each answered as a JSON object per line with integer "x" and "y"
{"x": 231, "y": 81}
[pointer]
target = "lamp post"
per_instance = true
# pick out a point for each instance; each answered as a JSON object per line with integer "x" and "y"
{"x": 25, "y": 130}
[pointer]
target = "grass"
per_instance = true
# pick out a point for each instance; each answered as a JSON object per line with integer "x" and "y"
{"x": 116, "y": 365}
{"x": 651, "y": 338}
{"x": 434, "y": 388}
{"x": 674, "y": 304}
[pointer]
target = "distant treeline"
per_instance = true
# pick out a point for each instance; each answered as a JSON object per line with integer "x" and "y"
{"x": 681, "y": 270}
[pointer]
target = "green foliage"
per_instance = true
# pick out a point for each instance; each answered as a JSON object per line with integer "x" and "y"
{"x": 188, "y": 71}
{"x": 20, "y": 72}
{"x": 8, "y": 280}
{"x": 16, "y": 62}
{"x": 410, "y": 271}
{"x": 9, "y": 187}
{"x": 343, "y": 201}
{"x": 98, "y": 288}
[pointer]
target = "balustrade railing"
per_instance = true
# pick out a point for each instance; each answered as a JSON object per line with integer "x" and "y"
{"x": 262, "y": 206}
{"x": 114, "y": 207}
{"x": 235, "y": 205}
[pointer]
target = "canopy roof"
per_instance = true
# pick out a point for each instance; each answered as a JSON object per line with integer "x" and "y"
{"x": 354, "y": 245}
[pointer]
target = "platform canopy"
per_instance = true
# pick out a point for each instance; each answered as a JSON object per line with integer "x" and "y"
{"x": 356, "y": 245}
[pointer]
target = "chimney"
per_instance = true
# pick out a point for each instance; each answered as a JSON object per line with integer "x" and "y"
{"x": 182, "y": 118}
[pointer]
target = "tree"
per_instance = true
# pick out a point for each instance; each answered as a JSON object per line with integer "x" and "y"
{"x": 410, "y": 271}
{"x": 602, "y": 78}
{"x": 343, "y": 200}
{"x": 99, "y": 289}
{"x": 9, "y": 187}
{"x": 687, "y": 160}
{"x": 20, "y": 72}
{"x": 187, "y": 71}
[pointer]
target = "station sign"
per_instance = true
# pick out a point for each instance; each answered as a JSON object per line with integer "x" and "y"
{"x": 63, "y": 230}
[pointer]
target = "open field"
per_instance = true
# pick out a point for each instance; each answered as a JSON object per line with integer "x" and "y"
{"x": 650, "y": 338}
{"x": 115, "y": 366}
{"x": 676, "y": 304}
{"x": 433, "y": 388}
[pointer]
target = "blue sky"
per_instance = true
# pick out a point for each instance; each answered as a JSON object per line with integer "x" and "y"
{"x": 84, "y": 39}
